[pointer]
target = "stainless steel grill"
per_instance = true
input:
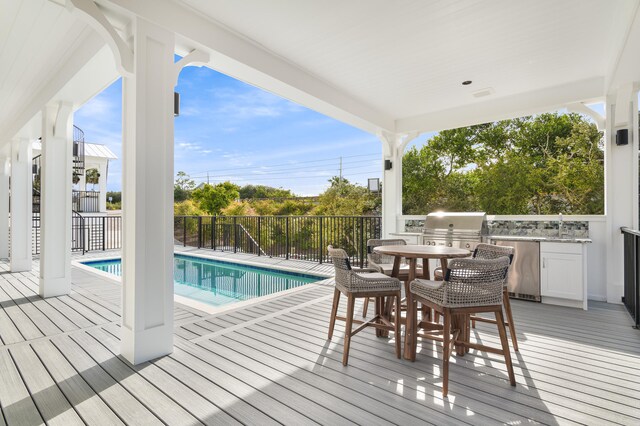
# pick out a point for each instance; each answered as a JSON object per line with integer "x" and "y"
{"x": 454, "y": 229}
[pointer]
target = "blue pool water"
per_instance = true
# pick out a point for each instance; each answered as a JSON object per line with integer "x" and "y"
{"x": 219, "y": 283}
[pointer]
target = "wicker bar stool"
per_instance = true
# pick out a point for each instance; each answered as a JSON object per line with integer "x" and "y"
{"x": 490, "y": 251}
{"x": 470, "y": 286}
{"x": 384, "y": 263}
{"x": 365, "y": 284}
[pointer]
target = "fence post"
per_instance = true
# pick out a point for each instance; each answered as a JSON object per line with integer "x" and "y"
{"x": 199, "y": 231}
{"x": 636, "y": 286}
{"x": 104, "y": 224}
{"x": 213, "y": 232}
{"x": 361, "y": 248}
{"x": 259, "y": 232}
{"x": 321, "y": 242}
{"x": 235, "y": 235}
{"x": 287, "y": 245}
{"x": 184, "y": 231}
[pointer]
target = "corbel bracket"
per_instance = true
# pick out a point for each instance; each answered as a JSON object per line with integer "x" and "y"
{"x": 65, "y": 109}
{"x": 92, "y": 15}
{"x": 581, "y": 108}
{"x": 195, "y": 57}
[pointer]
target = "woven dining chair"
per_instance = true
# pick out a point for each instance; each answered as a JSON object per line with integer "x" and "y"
{"x": 383, "y": 263}
{"x": 362, "y": 283}
{"x": 470, "y": 286}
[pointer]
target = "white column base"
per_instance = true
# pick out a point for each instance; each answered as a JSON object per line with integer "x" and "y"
{"x": 20, "y": 265}
{"x": 145, "y": 345}
{"x": 53, "y": 287}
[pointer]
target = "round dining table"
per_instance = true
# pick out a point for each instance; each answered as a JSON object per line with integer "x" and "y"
{"x": 424, "y": 252}
{"x": 412, "y": 253}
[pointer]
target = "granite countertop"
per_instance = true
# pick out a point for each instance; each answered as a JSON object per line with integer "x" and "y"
{"x": 540, "y": 238}
{"x": 408, "y": 234}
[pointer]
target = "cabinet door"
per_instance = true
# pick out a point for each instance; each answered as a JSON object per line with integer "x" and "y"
{"x": 561, "y": 275}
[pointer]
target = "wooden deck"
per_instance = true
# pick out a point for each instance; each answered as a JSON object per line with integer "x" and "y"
{"x": 270, "y": 363}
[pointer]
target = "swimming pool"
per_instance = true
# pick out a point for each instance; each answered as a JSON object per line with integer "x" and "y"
{"x": 219, "y": 283}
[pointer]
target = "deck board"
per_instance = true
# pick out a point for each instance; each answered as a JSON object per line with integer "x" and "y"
{"x": 51, "y": 402}
{"x": 268, "y": 362}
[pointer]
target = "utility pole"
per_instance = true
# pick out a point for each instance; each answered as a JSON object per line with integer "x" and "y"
{"x": 340, "y": 170}
{"x": 208, "y": 179}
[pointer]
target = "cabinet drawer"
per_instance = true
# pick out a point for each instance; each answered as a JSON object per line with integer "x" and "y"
{"x": 567, "y": 248}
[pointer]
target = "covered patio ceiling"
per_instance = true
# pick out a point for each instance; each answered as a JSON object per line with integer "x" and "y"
{"x": 379, "y": 65}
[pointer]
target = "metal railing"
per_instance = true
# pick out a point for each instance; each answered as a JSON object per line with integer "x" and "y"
{"x": 289, "y": 237}
{"x": 88, "y": 233}
{"x": 78, "y": 150}
{"x": 85, "y": 201}
{"x": 631, "y": 298}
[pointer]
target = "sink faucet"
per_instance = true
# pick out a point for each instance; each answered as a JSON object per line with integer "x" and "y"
{"x": 561, "y": 227}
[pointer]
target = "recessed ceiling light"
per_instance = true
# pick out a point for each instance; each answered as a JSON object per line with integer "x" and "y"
{"x": 466, "y": 82}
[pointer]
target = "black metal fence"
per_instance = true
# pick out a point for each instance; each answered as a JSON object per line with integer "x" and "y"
{"x": 85, "y": 201}
{"x": 88, "y": 233}
{"x": 289, "y": 237}
{"x": 631, "y": 298}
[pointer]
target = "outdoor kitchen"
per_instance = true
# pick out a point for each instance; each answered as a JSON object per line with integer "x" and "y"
{"x": 555, "y": 261}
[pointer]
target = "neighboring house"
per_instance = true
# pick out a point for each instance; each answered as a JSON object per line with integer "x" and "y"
{"x": 89, "y": 197}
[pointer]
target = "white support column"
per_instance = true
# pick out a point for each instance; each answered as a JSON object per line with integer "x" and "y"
{"x": 21, "y": 205}
{"x": 55, "y": 200}
{"x": 621, "y": 182}
{"x": 4, "y": 207}
{"x": 393, "y": 146}
{"x": 147, "y": 156}
{"x": 102, "y": 187}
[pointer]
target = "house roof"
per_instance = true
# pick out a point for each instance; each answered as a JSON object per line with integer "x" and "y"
{"x": 94, "y": 150}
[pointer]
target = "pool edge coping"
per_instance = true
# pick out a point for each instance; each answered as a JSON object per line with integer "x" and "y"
{"x": 201, "y": 306}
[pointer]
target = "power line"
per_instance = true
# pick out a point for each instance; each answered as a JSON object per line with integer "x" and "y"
{"x": 287, "y": 164}
{"x": 286, "y": 172}
{"x": 284, "y": 177}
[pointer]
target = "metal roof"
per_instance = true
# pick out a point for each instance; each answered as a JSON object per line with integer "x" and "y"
{"x": 94, "y": 150}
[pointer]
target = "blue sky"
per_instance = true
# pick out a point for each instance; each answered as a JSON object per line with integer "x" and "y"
{"x": 240, "y": 133}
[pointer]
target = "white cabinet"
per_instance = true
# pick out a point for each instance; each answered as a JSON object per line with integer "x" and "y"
{"x": 563, "y": 274}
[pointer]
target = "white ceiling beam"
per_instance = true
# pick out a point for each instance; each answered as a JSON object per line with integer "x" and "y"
{"x": 539, "y": 101}
{"x": 244, "y": 60}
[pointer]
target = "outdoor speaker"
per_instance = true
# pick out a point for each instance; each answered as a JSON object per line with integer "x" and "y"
{"x": 622, "y": 137}
{"x": 176, "y": 104}
{"x": 387, "y": 164}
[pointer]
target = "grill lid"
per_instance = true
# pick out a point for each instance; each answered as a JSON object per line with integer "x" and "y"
{"x": 454, "y": 222}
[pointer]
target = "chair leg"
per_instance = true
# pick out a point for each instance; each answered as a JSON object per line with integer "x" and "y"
{"x": 446, "y": 351}
{"x": 505, "y": 346}
{"x": 467, "y": 336}
{"x": 410, "y": 338}
{"x": 512, "y": 327}
{"x": 365, "y": 307}
{"x": 397, "y": 333}
{"x": 334, "y": 311}
{"x": 347, "y": 331}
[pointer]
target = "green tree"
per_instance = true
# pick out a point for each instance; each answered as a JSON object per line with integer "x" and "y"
{"x": 542, "y": 164}
{"x": 263, "y": 191}
{"x": 345, "y": 198}
{"x": 92, "y": 176}
{"x": 182, "y": 187}
{"x": 214, "y": 198}
{"x": 187, "y": 208}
